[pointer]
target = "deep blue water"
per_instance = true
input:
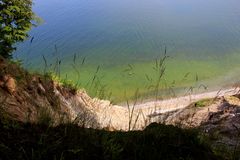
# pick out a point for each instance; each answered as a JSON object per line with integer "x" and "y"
{"x": 123, "y": 31}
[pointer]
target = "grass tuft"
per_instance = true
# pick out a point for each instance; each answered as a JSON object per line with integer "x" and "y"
{"x": 204, "y": 102}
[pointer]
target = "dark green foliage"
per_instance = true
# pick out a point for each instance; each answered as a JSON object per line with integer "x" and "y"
{"x": 157, "y": 142}
{"x": 28, "y": 141}
{"x": 15, "y": 22}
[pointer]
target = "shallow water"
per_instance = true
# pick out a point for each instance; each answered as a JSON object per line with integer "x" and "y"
{"x": 202, "y": 38}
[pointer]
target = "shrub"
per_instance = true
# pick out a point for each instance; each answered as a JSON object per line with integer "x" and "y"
{"x": 15, "y": 21}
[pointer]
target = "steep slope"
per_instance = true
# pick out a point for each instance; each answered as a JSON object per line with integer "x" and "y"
{"x": 29, "y": 97}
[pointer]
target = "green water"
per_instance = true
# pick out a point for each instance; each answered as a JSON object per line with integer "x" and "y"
{"x": 124, "y": 38}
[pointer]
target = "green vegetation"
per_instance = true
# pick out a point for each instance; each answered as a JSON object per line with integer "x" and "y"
{"x": 15, "y": 21}
{"x": 28, "y": 141}
{"x": 63, "y": 82}
{"x": 204, "y": 102}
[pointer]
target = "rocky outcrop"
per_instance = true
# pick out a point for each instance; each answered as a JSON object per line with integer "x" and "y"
{"x": 219, "y": 121}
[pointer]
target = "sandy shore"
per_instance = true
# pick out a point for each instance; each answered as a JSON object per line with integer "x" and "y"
{"x": 161, "y": 106}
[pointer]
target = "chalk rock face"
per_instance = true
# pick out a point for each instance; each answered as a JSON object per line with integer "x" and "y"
{"x": 9, "y": 83}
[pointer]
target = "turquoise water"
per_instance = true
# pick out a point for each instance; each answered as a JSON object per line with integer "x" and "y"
{"x": 115, "y": 33}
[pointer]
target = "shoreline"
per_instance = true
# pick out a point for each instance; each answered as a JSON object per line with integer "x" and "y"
{"x": 171, "y": 104}
{"x": 144, "y": 113}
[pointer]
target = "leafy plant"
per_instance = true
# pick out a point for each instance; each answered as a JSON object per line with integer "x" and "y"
{"x": 15, "y": 21}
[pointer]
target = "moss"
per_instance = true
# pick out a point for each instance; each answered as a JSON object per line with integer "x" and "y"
{"x": 204, "y": 102}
